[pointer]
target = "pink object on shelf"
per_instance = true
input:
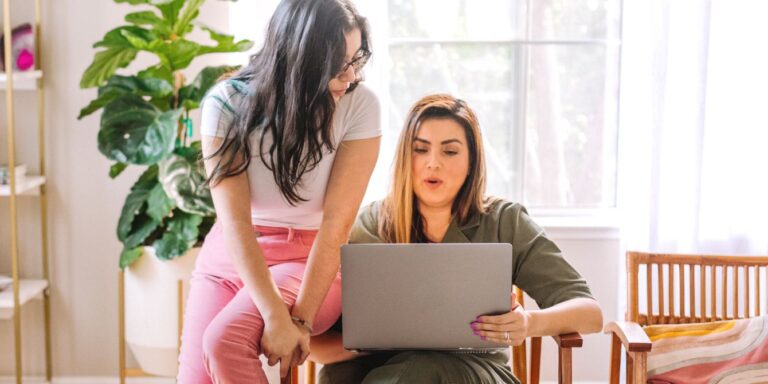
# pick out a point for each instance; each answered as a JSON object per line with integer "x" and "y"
{"x": 22, "y": 48}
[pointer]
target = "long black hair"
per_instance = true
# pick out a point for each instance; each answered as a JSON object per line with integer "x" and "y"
{"x": 287, "y": 93}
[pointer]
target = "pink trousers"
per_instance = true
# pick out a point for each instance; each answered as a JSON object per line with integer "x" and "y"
{"x": 221, "y": 339}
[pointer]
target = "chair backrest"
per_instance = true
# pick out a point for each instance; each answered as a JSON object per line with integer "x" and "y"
{"x": 688, "y": 288}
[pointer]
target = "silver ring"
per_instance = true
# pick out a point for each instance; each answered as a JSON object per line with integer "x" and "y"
{"x": 506, "y": 335}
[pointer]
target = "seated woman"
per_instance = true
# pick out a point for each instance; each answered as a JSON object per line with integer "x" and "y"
{"x": 438, "y": 195}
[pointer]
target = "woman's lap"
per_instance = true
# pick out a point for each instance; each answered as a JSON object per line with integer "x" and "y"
{"x": 420, "y": 367}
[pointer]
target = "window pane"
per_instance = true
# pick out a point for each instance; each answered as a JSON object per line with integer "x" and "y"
{"x": 572, "y": 19}
{"x": 456, "y": 19}
{"x": 482, "y": 74}
{"x": 570, "y": 158}
{"x": 502, "y": 19}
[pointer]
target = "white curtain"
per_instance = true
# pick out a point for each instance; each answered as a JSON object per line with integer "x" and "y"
{"x": 693, "y": 130}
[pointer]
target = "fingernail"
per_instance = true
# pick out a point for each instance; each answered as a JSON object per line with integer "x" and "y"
{"x": 482, "y": 337}
{"x": 473, "y": 325}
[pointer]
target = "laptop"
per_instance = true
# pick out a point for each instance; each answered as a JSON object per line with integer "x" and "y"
{"x": 422, "y": 296}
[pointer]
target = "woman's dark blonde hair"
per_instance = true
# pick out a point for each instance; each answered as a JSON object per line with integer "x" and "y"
{"x": 399, "y": 218}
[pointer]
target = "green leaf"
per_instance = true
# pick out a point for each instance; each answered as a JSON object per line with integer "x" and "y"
{"x": 129, "y": 256}
{"x": 170, "y": 10}
{"x": 142, "y": 86}
{"x": 191, "y": 12}
{"x": 103, "y": 99}
{"x": 116, "y": 37}
{"x": 157, "y": 72}
{"x": 192, "y": 94}
{"x": 136, "y": 132}
{"x": 105, "y": 64}
{"x": 179, "y": 53}
{"x": 181, "y": 234}
{"x": 225, "y": 43}
{"x": 135, "y": 226}
{"x": 117, "y": 169}
{"x": 137, "y": 40}
{"x": 150, "y": 18}
{"x": 183, "y": 179}
{"x": 123, "y": 85}
{"x": 158, "y": 204}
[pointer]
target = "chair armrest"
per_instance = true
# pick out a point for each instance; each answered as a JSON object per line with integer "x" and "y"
{"x": 569, "y": 340}
{"x": 631, "y": 334}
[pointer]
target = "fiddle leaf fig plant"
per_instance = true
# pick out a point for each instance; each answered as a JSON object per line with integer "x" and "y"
{"x": 145, "y": 122}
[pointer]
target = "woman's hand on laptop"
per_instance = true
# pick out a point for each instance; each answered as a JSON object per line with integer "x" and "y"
{"x": 510, "y": 328}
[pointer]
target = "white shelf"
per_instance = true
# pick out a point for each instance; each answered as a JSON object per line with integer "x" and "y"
{"x": 28, "y": 185}
{"x": 22, "y": 80}
{"x": 28, "y": 290}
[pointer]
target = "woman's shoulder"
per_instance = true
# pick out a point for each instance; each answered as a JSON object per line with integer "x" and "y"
{"x": 361, "y": 98}
{"x": 498, "y": 209}
{"x": 366, "y": 227}
{"x": 225, "y": 94}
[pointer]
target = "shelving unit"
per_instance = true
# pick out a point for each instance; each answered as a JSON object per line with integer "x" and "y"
{"x": 27, "y": 288}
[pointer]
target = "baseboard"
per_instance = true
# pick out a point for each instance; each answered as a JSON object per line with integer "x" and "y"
{"x": 140, "y": 380}
{"x": 88, "y": 380}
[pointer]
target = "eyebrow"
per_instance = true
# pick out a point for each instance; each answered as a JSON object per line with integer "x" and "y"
{"x": 442, "y": 142}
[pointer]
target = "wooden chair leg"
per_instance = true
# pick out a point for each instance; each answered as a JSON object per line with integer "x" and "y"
{"x": 311, "y": 373}
{"x": 535, "y": 359}
{"x": 630, "y": 368}
{"x": 519, "y": 363}
{"x": 615, "y": 359}
{"x": 565, "y": 366}
{"x": 640, "y": 366}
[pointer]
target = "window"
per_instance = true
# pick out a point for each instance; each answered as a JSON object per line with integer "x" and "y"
{"x": 542, "y": 76}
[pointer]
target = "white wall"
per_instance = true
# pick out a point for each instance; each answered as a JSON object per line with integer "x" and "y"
{"x": 84, "y": 205}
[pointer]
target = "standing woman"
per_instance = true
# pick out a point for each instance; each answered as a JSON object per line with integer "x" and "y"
{"x": 289, "y": 144}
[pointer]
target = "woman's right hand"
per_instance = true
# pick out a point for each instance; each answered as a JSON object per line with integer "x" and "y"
{"x": 285, "y": 342}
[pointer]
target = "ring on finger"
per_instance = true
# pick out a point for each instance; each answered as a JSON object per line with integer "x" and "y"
{"x": 506, "y": 335}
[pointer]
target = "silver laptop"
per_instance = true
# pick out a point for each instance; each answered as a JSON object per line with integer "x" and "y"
{"x": 422, "y": 296}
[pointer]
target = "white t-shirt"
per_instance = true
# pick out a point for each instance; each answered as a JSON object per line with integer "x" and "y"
{"x": 356, "y": 117}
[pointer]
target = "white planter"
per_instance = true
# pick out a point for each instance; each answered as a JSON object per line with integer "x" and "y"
{"x": 152, "y": 309}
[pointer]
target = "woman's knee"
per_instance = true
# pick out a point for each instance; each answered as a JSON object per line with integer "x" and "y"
{"x": 223, "y": 340}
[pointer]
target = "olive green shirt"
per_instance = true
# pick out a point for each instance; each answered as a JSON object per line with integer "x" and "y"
{"x": 538, "y": 266}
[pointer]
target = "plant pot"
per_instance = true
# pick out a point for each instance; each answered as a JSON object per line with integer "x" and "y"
{"x": 152, "y": 309}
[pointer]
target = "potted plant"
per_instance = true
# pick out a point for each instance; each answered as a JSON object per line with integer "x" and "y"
{"x": 145, "y": 122}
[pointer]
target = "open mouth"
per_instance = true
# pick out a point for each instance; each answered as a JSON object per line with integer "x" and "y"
{"x": 433, "y": 181}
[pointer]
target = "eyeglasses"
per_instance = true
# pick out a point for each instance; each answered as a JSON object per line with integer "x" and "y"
{"x": 357, "y": 63}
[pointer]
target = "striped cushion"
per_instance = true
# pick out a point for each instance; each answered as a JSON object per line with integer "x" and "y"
{"x": 734, "y": 351}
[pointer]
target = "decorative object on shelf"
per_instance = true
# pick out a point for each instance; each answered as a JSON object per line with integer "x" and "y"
{"x": 22, "y": 48}
{"x": 5, "y": 282}
{"x": 146, "y": 122}
{"x": 5, "y": 177}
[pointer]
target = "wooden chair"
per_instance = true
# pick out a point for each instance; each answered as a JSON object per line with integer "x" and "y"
{"x": 565, "y": 342}
{"x": 692, "y": 302}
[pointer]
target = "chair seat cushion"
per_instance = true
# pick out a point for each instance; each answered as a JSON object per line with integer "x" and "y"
{"x": 732, "y": 351}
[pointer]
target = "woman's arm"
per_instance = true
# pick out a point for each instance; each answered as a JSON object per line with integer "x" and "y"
{"x": 231, "y": 197}
{"x": 575, "y": 315}
{"x": 351, "y": 171}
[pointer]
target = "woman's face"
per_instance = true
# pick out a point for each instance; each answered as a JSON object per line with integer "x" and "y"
{"x": 339, "y": 84}
{"x": 440, "y": 162}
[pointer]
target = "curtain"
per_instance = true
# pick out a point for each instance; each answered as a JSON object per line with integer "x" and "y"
{"x": 693, "y": 134}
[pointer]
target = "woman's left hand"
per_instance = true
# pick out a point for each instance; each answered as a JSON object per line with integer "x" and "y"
{"x": 510, "y": 328}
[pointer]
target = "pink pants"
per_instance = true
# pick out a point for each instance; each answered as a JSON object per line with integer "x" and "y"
{"x": 222, "y": 326}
